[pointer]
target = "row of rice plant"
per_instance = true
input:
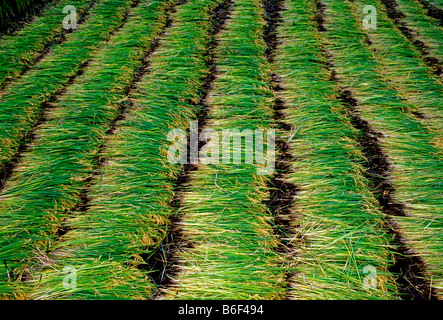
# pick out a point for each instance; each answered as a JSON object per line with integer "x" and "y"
{"x": 21, "y": 102}
{"x": 21, "y": 49}
{"x": 224, "y": 214}
{"x": 48, "y": 181}
{"x": 416, "y": 164}
{"x": 14, "y": 9}
{"x": 136, "y": 185}
{"x": 426, "y": 29}
{"x": 338, "y": 228}
{"x": 396, "y": 58}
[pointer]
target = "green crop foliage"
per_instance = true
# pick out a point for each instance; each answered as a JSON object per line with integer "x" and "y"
{"x": 13, "y": 10}
{"x": 22, "y": 48}
{"x": 136, "y": 158}
{"x": 416, "y": 164}
{"x": 427, "y": 29}
{"x": 400, "y": 64}
{"x": 94, "y": 196}
{"x": 437, "y": 3}
{"x": 337, "y": 228}
{"x": 21, "y": 103}
{"x": 47, "y": 184}
{"x": 224, "y": 214}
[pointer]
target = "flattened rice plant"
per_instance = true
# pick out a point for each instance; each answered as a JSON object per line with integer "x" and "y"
{"x": 400, "y": 64}
{"x": 130, "y": 205}
{"x": 415, "y": 163}
{"x": 339, "y": 231}
{"x": 47, "y": 183}
{"x": 425, "y": 28}
{"x": 23, "y": 100}
{"x": 20, "y": 49}
{"x": 224, "y": 215}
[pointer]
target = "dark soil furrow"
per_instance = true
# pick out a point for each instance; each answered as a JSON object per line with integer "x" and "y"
{"x": 282, "y": 193}
{"x": 408, "y": 266}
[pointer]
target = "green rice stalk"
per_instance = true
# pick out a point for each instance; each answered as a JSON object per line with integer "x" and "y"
{"x": 224, "y": 215}
{"x": 130, "y": 202}
{"x": 339, "y": 229}
{"x": 400, "y": 64}
{"x": 427, "y": 29}
{"x": 416, "y": 164}
{"x": 21, "y": 103}
{"x": 11, "y": 10}
{"x": 436, "y": 3}
{"x": 47, "y": 182}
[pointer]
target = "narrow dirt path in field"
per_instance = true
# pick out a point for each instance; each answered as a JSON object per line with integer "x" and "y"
{"x": 282, "y": 192}
{"x": 398, "y": 17}
{"x": 32, "y": 134}
{"x": 409, "y": 266}
{"x": 58, "y": 39}
{"x": 163, "y": 260}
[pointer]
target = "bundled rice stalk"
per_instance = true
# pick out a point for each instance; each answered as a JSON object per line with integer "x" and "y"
{"x": 130, "y": 207}
{"x": 48, "y": 181}
{"x": 20, "y": 49}
{"x": 224, "y": 215}
{"x": 400, "y": 64}
{"x": 339, "y": 232}
{"x": 21, "y": 103}
{"x": 426, "y": 28}
{"x": 415, "y": 163}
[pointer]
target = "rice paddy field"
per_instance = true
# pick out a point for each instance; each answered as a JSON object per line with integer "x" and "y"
{"x": 343, "y": 99}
